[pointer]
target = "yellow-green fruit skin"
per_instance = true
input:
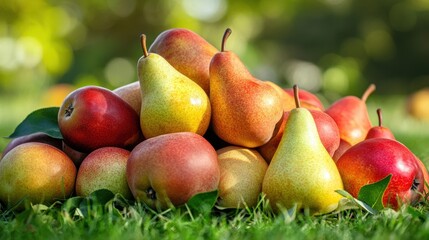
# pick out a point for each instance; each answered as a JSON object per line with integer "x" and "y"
{"x": 38, "y": 172}
{"x": 171, "y": 102}
{"x": 302, "y": 173}
{"x": 241, "y": 173}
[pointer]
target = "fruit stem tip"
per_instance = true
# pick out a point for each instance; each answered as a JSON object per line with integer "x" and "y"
{"x": 296, "y": 96}
{"x": 228, "y": 32}
{"x": 143, "y": 44}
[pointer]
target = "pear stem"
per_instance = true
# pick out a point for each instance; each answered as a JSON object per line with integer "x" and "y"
{"x": 228, "y": 32}
{"x": 380, "y": 117}
{"x": 296, "y": 96}
{"x": 368, "y": 92}
{"x": 143, "y": 44}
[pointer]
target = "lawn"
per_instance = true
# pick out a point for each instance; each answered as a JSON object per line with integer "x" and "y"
{"x": 105, "y": 216}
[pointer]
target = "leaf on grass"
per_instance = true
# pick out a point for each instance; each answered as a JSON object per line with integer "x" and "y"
{"x": 101, "y": 196}
{"x": 41, "y": 120}
{"x": 203, "y": 202}
{"x": 355, "y": 201}
{"x": 372, "y": 194}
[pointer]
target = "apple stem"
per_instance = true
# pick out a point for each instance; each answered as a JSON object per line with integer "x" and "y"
{"x": 368, "y": 92}
{"x": 380, "y": 117}
{"x": 228, "y": 32}
{"x": 143, "y": 44}
{"x": 296, "y": 96}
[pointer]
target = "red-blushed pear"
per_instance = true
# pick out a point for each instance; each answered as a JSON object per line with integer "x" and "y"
{"x": 351, "y": 115}
{"x": 35, "y": 137}
{"x": 37, "y": 172}
{"x": 245, "y": 110}
{"x": 167, "y": 170}
{"x": 374, "y": 159}
{"x": 379, "y": 131}
{"x": 384, "y": 132}
{"x": 188, "y": 52}
{"x": 308, "y": 100}
{"x": 104, "y": 168}
{"x": 92, "y": 117}
{"x": 326, "y": 127}
{"x": 131, "y": 94}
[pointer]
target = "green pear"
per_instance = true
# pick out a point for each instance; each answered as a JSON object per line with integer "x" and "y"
{"x": 241, "y": 173}
{"x": 171, "y": 102}
{"x": 301, "y": 172}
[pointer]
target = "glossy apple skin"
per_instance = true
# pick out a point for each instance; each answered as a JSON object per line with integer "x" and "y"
{"x": 92, "y": 117}
{"x": 36, "y": 171}
{"x": 167, "y": 170}
{"x": 104, "y": 168}
{"x": 326, "y": 127}
{"x": 35, "y": 137}
{"x": 374, "y": 159}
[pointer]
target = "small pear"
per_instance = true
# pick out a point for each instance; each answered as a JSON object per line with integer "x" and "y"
{"x": 241, "y": 173}
{"x": 245, "y": 110}
{"x": 171, "y": 102}
{"x": 301, "y": 172}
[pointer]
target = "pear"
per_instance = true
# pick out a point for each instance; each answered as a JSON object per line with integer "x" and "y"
{"x": 245, "y": 110}
{"x": 171, "y": 102}
{"x": 186, "y": 51}
{"x": 241, "y": 173}
{"x": 131, "y": 94}
{"x": 301, "y": 172}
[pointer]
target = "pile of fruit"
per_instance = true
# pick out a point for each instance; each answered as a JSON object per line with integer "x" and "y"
{"x": 197, "y": 121}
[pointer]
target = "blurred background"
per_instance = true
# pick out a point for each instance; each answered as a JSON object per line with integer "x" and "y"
{"x": 329, "y": 47}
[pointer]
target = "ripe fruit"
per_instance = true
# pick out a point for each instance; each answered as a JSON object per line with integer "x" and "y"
{"x": 374, "y": 159}
{"x": 301, "y": 172}
{"x": 245, "y": 110}
{"x": 35, "y": 137}
{"x": 37, "y": 172}
{"x": 167, "y": 170}
{"x": 92, "y": 117}
{"x": 241, "y": 173}
{"x": 104, "y": 168}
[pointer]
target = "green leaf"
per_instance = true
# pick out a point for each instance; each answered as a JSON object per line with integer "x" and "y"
{"x": 372, "y": 194}
{"x": 357, "y": 202}
{"x": 101, "y": 196}
{"x": 42, "y": 120}
{"x": 203, "y": 202}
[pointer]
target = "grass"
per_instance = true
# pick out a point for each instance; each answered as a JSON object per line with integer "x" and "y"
{"x": 116, "y": 218}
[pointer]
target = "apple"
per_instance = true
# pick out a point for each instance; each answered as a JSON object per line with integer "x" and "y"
{"x": 37, "y": 172}
{"x": 374, "y": 159}
{"x": 35, "y": 137}
{"x": 326, "y": 127}
{"x": 167, "y": 170}
{"x": 92, "y": 117}
{"x": 104, "y": 168}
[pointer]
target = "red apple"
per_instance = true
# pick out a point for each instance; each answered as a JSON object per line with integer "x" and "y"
{"x": 104, "y": 168}
{"x": 308, "y": 100}
{"x": 374, "y": 159}
{"x": 92, "y": 117}
{"x": 35, "y": 137}
{"x": 37, "y": 172}
{"x": 167, "y": 170}
{"x": 326, "y": 127}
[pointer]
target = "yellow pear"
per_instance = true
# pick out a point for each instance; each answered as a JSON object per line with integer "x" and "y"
{"x": 241, "y": 173}
{"x": 171, "y": 102}
{"x": 301, "y": 172}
